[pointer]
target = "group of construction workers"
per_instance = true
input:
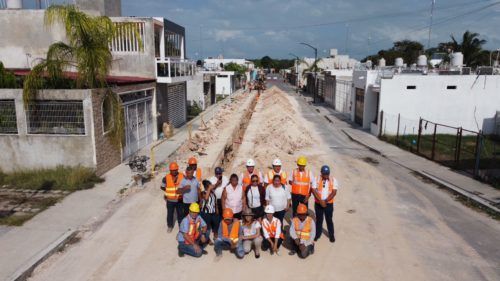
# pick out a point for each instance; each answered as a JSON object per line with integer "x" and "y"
{"x": 246, "y": 212}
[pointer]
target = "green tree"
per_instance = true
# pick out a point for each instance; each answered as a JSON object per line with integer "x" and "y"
{"x": 471, "y": 47}
{"x": 311, "y": 67}
{"x": 406, "y": 49}
{"x": 7, "y": 79}
{"x": 240, "y": 69}
{"x": 266, "y": 62}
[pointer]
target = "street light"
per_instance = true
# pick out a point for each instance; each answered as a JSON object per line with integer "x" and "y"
{"x": 296, "y": 71}
{"x": 315, "y": 59}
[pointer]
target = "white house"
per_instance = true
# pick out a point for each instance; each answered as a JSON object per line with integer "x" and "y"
{"x": 467, "y": 101}
{"x": 340, "y": 65}
{"x": 212, "y": 64}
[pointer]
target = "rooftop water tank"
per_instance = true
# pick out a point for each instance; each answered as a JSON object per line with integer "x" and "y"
{"x": 14, "y": 4}
{"x": 369, "y": 64}
{"x": 422, "y": 61}
{"x": 334, "y": 52}
{"x": 399, "y": 62}
{"x": 381, "y": 62}
{"x": 457, "y": 59}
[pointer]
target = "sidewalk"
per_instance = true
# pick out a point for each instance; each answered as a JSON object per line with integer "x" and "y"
{"x": 23, "y": 248}
{"x": 482, "y": 193}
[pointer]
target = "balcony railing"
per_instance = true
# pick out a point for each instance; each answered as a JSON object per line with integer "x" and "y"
{"x": 170, "y": 70}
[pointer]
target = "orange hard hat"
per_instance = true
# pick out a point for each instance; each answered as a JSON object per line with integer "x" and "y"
{"x": 302, "y": 209}
{"x": 192, "y": 161}
{"x": 227, "y": 213}
{"x": 173, "y": 166}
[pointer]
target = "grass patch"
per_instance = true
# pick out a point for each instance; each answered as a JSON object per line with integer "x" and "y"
{"x": 16, "y": 220}
{"x": 219, "y": 98}
{"x": 59, "y": 178}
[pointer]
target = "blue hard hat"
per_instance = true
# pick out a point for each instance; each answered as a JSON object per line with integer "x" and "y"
{"x": 325, "y": 170}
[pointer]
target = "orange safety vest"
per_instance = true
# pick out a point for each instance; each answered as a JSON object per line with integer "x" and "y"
{"x": 305, "y": 232}
{"x": 301, "y": 182}
{"x": 193, "y": 231}
{"x": 171, "y": 188}
{"x": 271, "y": 228}
{"x": 247, "y": 178}
{"x": 270, "y": 177}
{"x": 320, "y": 188}
{"x": 235, "y": 231}
{"x": 198, "y": 174}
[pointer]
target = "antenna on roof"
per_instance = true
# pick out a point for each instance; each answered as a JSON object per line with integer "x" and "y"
{"x": 430, "y": 26}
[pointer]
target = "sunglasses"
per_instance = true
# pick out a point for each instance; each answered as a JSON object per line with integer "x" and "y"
{"x": 255, "y": 181}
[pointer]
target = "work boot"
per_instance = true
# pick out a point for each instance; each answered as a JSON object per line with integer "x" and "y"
{"x": 169, "y": 230}
{"x": 181, "y": 254}
{"x": 291, "y": 253}
{"x": 332, "y": 239}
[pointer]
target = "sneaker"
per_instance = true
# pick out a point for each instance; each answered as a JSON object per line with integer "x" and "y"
{"x": 169, "y": 230}
{"x": 278, "y": 253}
{"x": 312, "y": 250}
{"x": 291, "y": 253}
{"x": 332, "y": 239}
{"x": 181, "y": 254}
{"x": 316, "y": 239}
{"x": 203, "y": 252}
{"x": 257, "y": 256}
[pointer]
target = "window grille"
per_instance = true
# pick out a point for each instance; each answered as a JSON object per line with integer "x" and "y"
{"x": 129, "y": 36}
{"x": 8, "y": 120}
{"x": 56, "y": 117}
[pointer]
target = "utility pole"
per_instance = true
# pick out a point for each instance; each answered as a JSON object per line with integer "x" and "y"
{"x": 347, "y": 39}
{"x": 201, "y": 43}
{"x": 430, "y": 26}
{"x": 296, "y": 71}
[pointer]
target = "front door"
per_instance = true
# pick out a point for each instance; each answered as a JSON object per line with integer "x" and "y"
{"x": 138, "y": 126}
{"x": 359, "y": 107}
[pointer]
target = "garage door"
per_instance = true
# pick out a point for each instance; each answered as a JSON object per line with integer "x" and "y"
{"x": 138, "y": 126}
{"x": 176, "y": 103}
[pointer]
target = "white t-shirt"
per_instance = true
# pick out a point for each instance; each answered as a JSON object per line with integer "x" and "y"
{"x": 218, "y": 190}
{"x": 253, "y": 197}
{"x": 324, "y": 194}
{"x": 278, "y": 197}
{"x": 253, "y": 229}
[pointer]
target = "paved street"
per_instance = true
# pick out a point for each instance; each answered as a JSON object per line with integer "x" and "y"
{"x": 390, "y": 225}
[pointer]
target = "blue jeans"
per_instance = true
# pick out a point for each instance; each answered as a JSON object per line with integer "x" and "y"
{"x": 189, "y": 249}
{"x": 221, "y": 245}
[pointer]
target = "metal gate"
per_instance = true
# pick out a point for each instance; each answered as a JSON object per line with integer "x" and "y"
{"x": 138, "y": 125}
{"x": 176, "y": 103}
{"x": 343, "y": 98}
{"x": 360, "y": 104}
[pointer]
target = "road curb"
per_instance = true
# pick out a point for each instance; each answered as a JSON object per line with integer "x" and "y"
{"x": 485, "y": 204}
{"x": 361, "y": 143}
{"x": 25, "y": 271}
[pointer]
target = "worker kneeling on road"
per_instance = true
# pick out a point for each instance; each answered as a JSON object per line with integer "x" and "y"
{"x": 324, "y": 194}
{"x": 193, "y": 235}
{"x": 271, "y": 227}
{"x": 251, "y": 233}
{"x": 302, "y": 233}
{"x": 229, "y": 237}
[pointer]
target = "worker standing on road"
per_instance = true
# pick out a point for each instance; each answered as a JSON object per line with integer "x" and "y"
{"x": 232, "y": 196}
{"x": 219, "y": 181}
{"x": 170, "y": 184}
{"x": 193, "y": 235}
{"x": 190, "y": 189}
{"x": 271, "y": 228}
{"x": 276, "y": 170}
{"x": 302, "y": 181}
{"x": 255, "y": 197}
{"x": 302, "y": 233}
{"x": 229, "y": 237}
{"x": 251, "y": 233}
{"x": 245, "y": 179}
{"x": 209, "y": 209}
{"x": 193, "y": 163}
{"x": 278, "y": 196}
{"x": 324, "y": 193}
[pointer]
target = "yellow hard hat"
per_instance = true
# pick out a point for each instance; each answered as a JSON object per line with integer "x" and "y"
{"x": 302, "y": 161}
{"x": 194, "y": 208}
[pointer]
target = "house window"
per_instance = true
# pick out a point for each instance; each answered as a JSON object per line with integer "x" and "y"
{"x": 8, "y": 120}
{"x": 411, "y": 87}
{"x": 107, "y": 115}
{"x": 56, "y": 117}
{"x": 451, "y": 87}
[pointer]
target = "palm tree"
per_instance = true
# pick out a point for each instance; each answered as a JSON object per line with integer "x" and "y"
{"x": 471, "y": 47}
{"x": 311, "y": 67}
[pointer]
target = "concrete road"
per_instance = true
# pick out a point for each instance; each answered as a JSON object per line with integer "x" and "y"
{"x": 389, "y": 226}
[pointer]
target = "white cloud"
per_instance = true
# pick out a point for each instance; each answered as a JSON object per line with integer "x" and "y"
{"x": 224, "y": 35}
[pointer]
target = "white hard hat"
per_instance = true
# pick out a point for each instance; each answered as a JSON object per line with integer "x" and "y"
{"x": 250, "y": 163}
{"x": 277, "y": 162}
{"x": 269, "y": 209}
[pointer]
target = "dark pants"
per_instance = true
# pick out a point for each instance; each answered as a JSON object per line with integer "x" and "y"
{"x": 296, "y": 199}
{"x": 174, "y": 207}
{"x": 219, "y": 206}
{"x": 237, "y": 216}
{"x": 327, "y": 213}
{"x": 189, "y": 249}
{"x": 302, "y": 250}
{"x": 266, "y": 245}
{"x": 212, "y": 221}
{"x": 258, "y": 212}
{"x": 280, "y": 215}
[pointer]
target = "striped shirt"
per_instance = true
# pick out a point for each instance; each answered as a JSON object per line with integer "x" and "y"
{"x": 209, "y": 206}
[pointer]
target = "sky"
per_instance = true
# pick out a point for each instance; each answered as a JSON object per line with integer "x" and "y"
{"x": 255, "y": 28}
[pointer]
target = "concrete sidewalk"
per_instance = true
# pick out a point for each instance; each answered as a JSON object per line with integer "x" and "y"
{"x": 23, "y": 248}
{"x": 483, "y": 194}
